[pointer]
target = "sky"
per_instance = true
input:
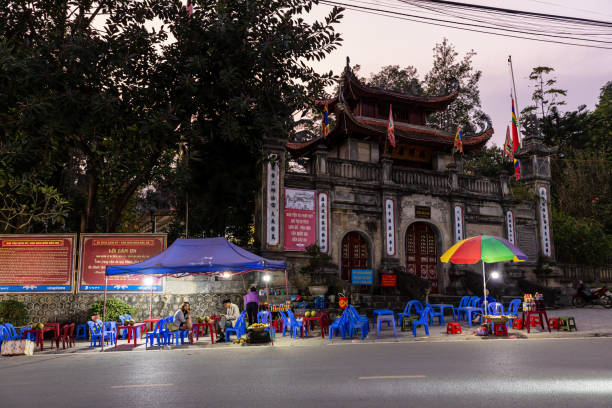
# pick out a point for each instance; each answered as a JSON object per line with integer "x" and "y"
{"x": 376, "y": 41}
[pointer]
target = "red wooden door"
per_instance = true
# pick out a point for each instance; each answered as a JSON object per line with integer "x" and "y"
{"x": 422, "y": 253}
{"x": 354, "y": 254}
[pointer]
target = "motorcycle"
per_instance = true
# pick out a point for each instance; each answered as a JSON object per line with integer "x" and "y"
{"x": 597, "y": 296}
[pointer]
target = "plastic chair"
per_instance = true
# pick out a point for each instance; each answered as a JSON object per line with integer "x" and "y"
{"x": 338, "y": 325}
{"x": 357, "y": 322}
{"x": 463, "y": 303}
{"x": 423, "y": 321}
{"x": 157, "y": 333}
{"x": 495, "y": 308}
{"x": 95, "y": 334}
{"x": 263, "y": 316}
{"x": 418, "y": 306}
{"x": 433, "y": 313}
{"x": 472, "y": 310}
{"x": 513, "y": 307}
{"x": 12, "y": 332}
{"x": 175, "y": 335}
{"x": 295, "y": 325}
{"x": 124, "y": 331}
{"x": 110, "y": 333}
{"x": 239, "y": 328}
{"x": 67, "y": 335}
{"x": 128, "y": 317}
{"x": 81, "y": 332}
{"x": 286, "y": 323}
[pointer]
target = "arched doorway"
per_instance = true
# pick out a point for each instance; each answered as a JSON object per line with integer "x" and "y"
{"x": 422, "y": 253}
{"x": 355, "y": 254}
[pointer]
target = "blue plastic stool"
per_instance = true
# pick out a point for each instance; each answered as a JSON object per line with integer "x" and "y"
{"x": 385, "y": 318}
{"x": 81, "y": 332}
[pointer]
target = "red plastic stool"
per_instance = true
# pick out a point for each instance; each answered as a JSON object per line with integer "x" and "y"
{"x": 517, "y": 324}
{"x": 453, "y": 328}
{"x": 554, "y": 322}
{"x": 535, "y": 321}
{"x": 500, "y": 330}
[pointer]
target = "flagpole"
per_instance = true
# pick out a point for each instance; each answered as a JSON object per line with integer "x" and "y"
{"x": 518, "y": 117}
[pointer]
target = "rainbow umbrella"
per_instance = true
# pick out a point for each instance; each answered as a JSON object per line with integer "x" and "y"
{"x": 484, "y": 248}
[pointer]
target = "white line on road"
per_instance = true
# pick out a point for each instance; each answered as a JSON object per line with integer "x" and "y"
{"x": 390, "y": 377}
{"x": 141, "y": 385}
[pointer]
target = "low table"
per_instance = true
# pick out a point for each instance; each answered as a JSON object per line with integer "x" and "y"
{"x": 210, "y": 326}
{"x": 56, "y": 332}
{"x": 527, "y": 316}
{"x": 312, "y": 319}
{"x": 443, "y": 306}
{"x": 40, "y": 335}
{"x": 133, "y": 329}
{"x": 152, "y": 322}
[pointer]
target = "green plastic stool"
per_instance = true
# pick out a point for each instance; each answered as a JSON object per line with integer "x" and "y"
{"x": 567, "y": 323}
{"x": 407, "y": 322}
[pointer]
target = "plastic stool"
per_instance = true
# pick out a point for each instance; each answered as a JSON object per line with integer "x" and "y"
{"x": 81, "y": 332}
{"x": 385, "y": 318}
{"x": 453, "y": 328}
{"x": 535, "y": 321}
{"x": 554, "y": 322}
{"x": 501, "y": 330}
{"x": 567, "y": 323}
{"x": 517, "y": 324}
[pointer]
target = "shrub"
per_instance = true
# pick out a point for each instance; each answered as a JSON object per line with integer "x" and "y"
{"x": 14, "y": 312}
{"x": 114, "y": 308}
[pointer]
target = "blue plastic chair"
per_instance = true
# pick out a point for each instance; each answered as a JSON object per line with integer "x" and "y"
{"x": 513, "y": 307}
{"x": 239, "y": 328}
{"x": 81, "y": 332}
{"x": 472, "y": 310}
{"x": 2, "y": 335}
{"x": 110, "y": 333}
{"x": 339, "y": 326}
{"x": 295, "y": 325}
{"x": 465, "y": 302}
{"x": 263, "y": 317}
{"x": 12, "y": 332}
{"x": 124, "y": 331}
{"x": 433, "y": 313}
{"x": 173, "y": 336}
{"x": 95, "y": 334}
{"x": 495, "y": 308}
{"x": 423, "y": 321}
{"x": 157, "y": 333}
{"x": 357, "y": 323}
{"x": 418, "y": 307}
{"x": 286, "y": 323}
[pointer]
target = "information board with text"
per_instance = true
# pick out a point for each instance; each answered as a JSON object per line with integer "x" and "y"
{"x": 99, "y": 250}
{"x": 300, "y": 220}
{"x": 37, "y": 263}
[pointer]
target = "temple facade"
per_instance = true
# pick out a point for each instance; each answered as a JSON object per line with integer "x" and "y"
{"x": 381, "y": 212}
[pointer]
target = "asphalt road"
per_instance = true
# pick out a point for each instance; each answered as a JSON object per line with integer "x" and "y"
{"x": 489, "y": 373}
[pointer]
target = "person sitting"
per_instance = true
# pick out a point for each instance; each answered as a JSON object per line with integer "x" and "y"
{"x": 490, "y": 299}
{"x": 228, "y": 319}
{"x": 251, "y": 302}
{"x": 182, "y": 318}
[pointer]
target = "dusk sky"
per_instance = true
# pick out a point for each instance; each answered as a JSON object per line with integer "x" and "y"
{"x": 376, "y": 41}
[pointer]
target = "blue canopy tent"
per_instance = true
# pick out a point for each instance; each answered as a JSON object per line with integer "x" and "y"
{"x": 197, "y": 256}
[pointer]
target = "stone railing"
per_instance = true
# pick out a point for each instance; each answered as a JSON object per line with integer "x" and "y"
{"x": 480, "y": 185}
{"x": 413, "y": 177}
{"x": 587, "y": 273}
{"x": 354, "y": 170}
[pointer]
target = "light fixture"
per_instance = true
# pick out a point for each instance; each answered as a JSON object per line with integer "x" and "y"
{"x": 266, "y": 278}
{"x": 226, "y": 275}
{"x": 148, "y": 281}
{"x": 495, "y": 275}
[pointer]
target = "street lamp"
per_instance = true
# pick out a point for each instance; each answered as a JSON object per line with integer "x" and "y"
{"x": 226, "y": 275}
{"x": 266, "y": 278}
{"x": 493, "y": 275}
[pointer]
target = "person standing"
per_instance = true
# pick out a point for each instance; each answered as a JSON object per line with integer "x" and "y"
{"x": 251, "y": 301}
{"x": 228, "y": 319}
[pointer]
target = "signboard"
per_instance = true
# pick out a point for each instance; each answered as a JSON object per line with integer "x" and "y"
{"x": 388, "y": 280}
{"x": 300, "y": 223}
{"x": 510, "y": 226}
{"x": 37, "y": 263}
{"x": 362, "y": 276}
{"x": 99, "y": 250}
{"x": 323, "y": 223}
{"x": 272, "y": 202}
{"x": 422, "y": 212}
{"x": 544, "y": 222}
{"x": 458, "y": 223}
{"x": 390, "y": 226}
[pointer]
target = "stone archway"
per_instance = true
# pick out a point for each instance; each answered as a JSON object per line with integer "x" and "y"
{"x": 422, "y": 253}
{"x": 354, "y": 254}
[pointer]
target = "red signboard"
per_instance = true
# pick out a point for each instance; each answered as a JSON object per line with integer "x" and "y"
{"x": 388, "y": 280}
{"x": 37, "y": 263}
{"x": 99, "y": 250}
{"x": 300, "y": 220}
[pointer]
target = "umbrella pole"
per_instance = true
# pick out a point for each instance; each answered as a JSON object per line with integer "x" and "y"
{"x": 104, "y": 309}
{"x": 151, "y": 301}
{"x": 484, "y": 288}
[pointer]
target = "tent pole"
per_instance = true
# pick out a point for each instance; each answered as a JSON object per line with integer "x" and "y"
{"x": 104, "y": 309}
{"x": 151, "y": 301}
{"x": 286, "y": 286}
{"x": 484, "y": 288}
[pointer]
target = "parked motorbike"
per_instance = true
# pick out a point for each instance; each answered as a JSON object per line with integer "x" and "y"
{"x": 597, "y": 296}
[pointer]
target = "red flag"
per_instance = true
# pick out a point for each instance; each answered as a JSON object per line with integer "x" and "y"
{"x": 189, "y": 8}
{"x": 391, "y": 128}
{"x": 515, "y": 143}
{"x": 508, "y": 144}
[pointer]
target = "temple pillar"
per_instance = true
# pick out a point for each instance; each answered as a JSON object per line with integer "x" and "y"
{"x": 270, "y": 231}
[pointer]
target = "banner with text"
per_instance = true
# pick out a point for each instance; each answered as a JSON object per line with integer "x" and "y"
{"x": 37, "y": 263}
{"x": 300, "y": 220}
{"x": 99, "y": 250}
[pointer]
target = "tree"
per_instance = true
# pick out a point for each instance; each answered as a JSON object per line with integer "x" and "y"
{"x": 394, "y": 78}
{"x": 489, "y": 162}
{"x": 445, "y": 71}
{"x": 241, "y": 74}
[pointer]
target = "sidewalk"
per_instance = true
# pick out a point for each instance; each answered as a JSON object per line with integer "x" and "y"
{"x": 591, "y": 322}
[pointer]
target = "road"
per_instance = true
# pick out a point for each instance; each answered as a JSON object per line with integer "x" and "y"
{"x": 489, "y": 373}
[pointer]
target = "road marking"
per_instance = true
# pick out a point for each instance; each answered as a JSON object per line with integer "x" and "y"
{"x": 390, "y": 377}
{"x": 141, "y": 385}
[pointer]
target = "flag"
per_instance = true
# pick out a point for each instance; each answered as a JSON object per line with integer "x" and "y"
{"x": 515, "y": 143}
{"x": 189, "y": 8}
{"x": 508, "y": 144}
{"x": 459, "y": 139}
{"x": 325, "y": 124}
{"x": 391, "y": 128}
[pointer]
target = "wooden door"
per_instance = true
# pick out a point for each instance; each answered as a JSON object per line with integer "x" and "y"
{"x": 355, "y": 254}
{"x": 422, "y": 253}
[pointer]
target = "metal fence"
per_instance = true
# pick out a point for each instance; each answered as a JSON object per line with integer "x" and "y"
{"x": 587, "y": 273}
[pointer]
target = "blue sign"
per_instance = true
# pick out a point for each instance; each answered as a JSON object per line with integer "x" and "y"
{"x": 362, "y": 276}
{"x": 121, "y": 288}
{"x": 35, "y": 288}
